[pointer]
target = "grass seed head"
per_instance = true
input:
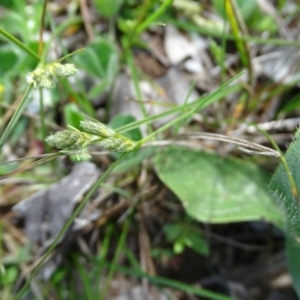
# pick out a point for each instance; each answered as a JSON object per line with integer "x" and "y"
{"x": 97, "y": 128}
{"x": 71, "y": 139}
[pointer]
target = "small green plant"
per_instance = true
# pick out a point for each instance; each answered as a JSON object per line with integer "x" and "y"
{"x": 184, "y": 235}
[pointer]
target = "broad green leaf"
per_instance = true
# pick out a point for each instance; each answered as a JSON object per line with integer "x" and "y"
{"x": 281, "y": 187}
{"x": 217, "y": 190}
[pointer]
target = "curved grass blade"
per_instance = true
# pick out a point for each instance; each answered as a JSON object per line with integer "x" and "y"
{"x": 16, "y": 116}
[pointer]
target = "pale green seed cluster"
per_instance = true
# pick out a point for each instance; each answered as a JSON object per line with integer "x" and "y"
{"x": 74, "y": 139}
{"x": 71, "y": 139}
{"x": 109, "y": 139}
{"x": 97, "y": 128}
{"x": 118, "y": 143}
{"x": 46, "y": 74}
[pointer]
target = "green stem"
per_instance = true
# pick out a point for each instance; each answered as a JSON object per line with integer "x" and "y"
{"x": 19, "y": 43}
{"x": 16, "y": 116}
{"x": 69, "y": 55}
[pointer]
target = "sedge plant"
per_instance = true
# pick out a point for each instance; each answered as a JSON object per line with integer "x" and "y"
{"x": 74, "y": 141}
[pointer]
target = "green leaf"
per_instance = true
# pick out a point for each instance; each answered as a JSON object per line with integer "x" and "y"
{"x": 108, "y": 9}
{"x": 173, "y": 231}
{"x": 98, "y": 89}
{"x": 99, "y": 59}
{"x": 195, "y": 241}
{"x": 88, "y": 61}
{"x": 59, "y": 275}
{"x": 292, "y": 250}
{"x": 280, "y": 185}
{"x": 214, "y": 189}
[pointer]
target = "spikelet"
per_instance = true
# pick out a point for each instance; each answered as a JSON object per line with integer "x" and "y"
{"x": 117, "y": 143}
{"x": 46, "y": 74}
{"x": 93, "y": 131}
{"x": 71, "y": 139}
{"x": 97, "y": 128}
{"x": 59, "y": 70}
{"x": 111, "y": 140}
